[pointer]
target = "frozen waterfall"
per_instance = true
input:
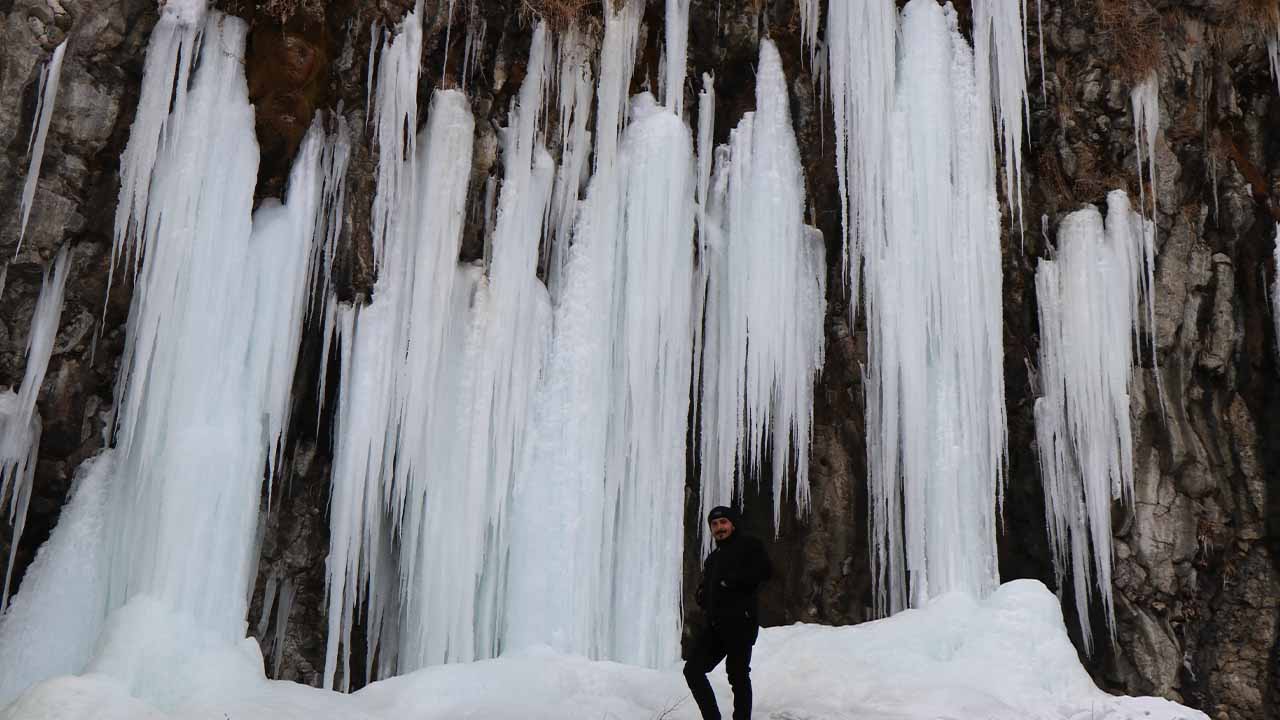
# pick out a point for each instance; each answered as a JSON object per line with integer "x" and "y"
{"x": 935, "y": 383}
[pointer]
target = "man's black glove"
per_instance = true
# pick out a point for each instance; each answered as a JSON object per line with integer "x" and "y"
{"x": 700, "y": 597}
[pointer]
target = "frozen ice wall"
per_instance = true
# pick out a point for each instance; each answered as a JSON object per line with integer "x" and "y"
{"x": 935, "y": 389}
{"x": 765, "y": 280}
{"x": 50, "y": 75}
{"x": 1090, "y": 298}
{"x": 20, "y": 425}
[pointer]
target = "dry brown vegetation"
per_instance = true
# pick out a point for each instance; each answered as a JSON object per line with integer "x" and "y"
{"x": 559, "y": 14}
{"x": 1133, "y": 29}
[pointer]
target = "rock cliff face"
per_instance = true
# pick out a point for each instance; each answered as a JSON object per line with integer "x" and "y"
{"x": 1197, "y": 578}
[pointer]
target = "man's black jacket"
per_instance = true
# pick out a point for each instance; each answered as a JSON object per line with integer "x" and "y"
{"x": 730, "y": 577}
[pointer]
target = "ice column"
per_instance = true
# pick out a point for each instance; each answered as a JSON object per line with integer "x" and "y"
{"x": 766, "y": 282}
{"x": 1090, "y": 297}
{"x": 203, "y": 395}
{"x": 19, "y": 421}
{"x": 861, "y": 52}
{"x": 676, "y": 54}
{"x": 1275, "y": 289}
{"x": 596, "y": 516}
{"x": 936, "y": 437}
{"x": 49, "y": 78}
{"x": 576, "y": 92}
{"x": 372, "y": 341}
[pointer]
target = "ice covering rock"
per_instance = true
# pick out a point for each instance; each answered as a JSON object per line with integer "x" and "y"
{"x": 936, "y": 425}
{"x": 20, "y": 425}
{"x": 1090, "y": 298}
{"x": 597, "y": 513}
{"x": 52, "y": 625}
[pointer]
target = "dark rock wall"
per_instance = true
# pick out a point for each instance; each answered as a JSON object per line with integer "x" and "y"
{"x": 1197, "y": 577}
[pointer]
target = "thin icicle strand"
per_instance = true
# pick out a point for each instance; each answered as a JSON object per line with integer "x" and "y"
{"x": 936, "y": 425}
{"x": 766, "y": 299}
{"x": 1089, "y": 301}
{"x": 49, "y": 79}
{"x": 676, "y": 53}
{"x": 19, "y": 422}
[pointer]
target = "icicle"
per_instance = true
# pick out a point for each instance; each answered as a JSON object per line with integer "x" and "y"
{"x": 861, "y": 53}
{"x": 766, "y": 302}
{"x": 1145, "y": 100}
{"x": 1146, "y": 122}
{"x": 617, "y": 61}
{"x": 19, "y": 421}
{"x": 473, "y": 48}
{"x": 395, "y": 119}
{"x": 676, "y": 51}
{"x": 575, "y": 96}
{"x": 810, "y": 19}
{"x": 1275, "y": 289}
{"x": 1089, "y": 298}
{"x": 49, "y": 78}
{"x": 163, "y": 98}
{"x": 1000, "y": 54}
{"x": 936, "y": 439}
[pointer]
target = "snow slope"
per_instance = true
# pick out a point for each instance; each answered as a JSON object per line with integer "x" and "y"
{"x": 1007, "y": 657}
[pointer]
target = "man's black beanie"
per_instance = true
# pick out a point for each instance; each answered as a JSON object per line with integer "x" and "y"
{"x": 721, "y": 511}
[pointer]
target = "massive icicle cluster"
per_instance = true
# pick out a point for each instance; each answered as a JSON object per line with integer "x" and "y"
{"x": 50, "y": 75}
{"x": 203, "y": 396}
{"x": 19, "y": 422}
{"x": 1090, "y": 300}
{"x": 765, "y": 276}
{"x": 935, "y": 389}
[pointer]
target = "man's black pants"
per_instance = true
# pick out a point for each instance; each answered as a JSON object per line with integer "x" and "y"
{"x": 729, "y": 640}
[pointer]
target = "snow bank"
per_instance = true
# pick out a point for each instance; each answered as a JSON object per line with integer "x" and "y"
{"x": 1004, "y": 657}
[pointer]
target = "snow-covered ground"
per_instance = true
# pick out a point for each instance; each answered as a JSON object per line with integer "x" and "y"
{"x": 958, "y": 658}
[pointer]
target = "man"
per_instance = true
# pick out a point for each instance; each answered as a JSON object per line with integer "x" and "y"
{"x": 730, "y": 577}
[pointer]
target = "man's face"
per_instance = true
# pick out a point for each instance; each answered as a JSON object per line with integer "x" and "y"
{"x": 721, "y": 528}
